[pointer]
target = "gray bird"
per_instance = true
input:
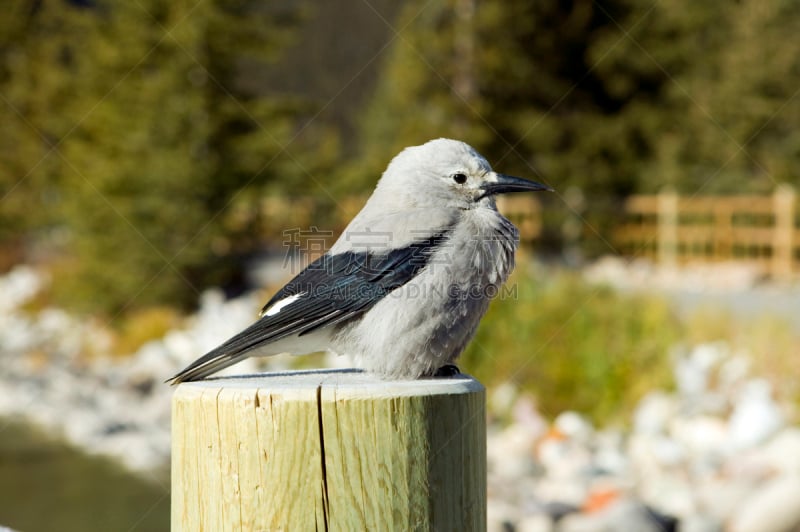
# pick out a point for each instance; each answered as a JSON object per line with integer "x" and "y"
{"x": 403, "y": 288}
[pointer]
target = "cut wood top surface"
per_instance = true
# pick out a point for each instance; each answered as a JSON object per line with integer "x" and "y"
{"x": 346, "y": 383}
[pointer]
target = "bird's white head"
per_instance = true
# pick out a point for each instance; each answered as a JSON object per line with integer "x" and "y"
{"x": 445, "y": 173}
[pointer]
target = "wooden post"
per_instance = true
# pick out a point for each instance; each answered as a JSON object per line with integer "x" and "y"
{"x": 782, "y": 240}
{"x": 667, "y": 227}
{"x": 721, "y": 232}
{"x": 328, "y": 450}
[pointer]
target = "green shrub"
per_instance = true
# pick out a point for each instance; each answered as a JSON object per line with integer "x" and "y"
{"x": 574, "y": 345}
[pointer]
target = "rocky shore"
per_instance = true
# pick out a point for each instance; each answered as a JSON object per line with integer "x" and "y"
{"x": 717, "y": 453}
{"x": 118, "y": 407}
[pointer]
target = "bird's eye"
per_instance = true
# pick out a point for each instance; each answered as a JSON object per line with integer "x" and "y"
{"x": 460, "y": 178}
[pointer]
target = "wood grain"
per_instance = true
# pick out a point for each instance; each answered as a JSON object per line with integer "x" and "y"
{"x": 329, "y": 450}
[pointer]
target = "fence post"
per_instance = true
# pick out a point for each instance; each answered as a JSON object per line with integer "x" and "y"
{"x": 329, "y": 450}
{"x": 783, "y": 232}
{"x": 667, "y": 227}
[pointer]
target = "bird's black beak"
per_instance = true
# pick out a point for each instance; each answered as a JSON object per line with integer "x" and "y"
{"x": 507, "y": 183}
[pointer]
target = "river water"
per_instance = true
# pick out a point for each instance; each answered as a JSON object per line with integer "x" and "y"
{"x": 46, "y": 485}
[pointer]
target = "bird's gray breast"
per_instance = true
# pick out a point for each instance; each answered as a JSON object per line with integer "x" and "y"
{"x": 479, "y": 261}
{"x": 428, "y": 321}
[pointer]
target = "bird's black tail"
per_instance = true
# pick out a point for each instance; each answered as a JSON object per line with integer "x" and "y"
{"x": 227, "y": 354}
{"x": 208, "y": 364}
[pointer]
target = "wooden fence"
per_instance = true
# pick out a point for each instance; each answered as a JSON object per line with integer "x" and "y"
{"x": 757, "y": 230}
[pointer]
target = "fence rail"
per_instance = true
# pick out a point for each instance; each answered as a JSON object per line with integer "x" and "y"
{"x": 757, "y": 230}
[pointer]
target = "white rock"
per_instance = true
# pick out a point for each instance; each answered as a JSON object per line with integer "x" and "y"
{"x": 692, "y": 372}
{"x": 755, "y": 415}
{"x": 721, "y": 497}
{"x": 670, "y": 494}
{"x": 510, "y": 451}
{"x": 572, "y": 491}
{"x": 535, "y": 523}
{"x": 152, "y": 359}
{"x": 775, "y": 507}
{"x": 653, "y": 413}
{"x": 180, "y": 346}
{"x": 500, "y": 515}
{"x": 18, "y": 287}
{"x": 502, "y": 398}
{"x": 700, "y": 434}
{"x": 524, "y": 412}
{"x": 783, "y": 451}
{"x": 17, "y": 334}
{"x": 651, "y": 454}
{"x": 609, "y": 455}
{"x": 564, "y": 458}
{"x": 574, "y": 426}
{"x": 734, "y": 371}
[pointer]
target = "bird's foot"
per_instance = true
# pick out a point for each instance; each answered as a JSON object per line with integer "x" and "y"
{"x": 448, "y": 370}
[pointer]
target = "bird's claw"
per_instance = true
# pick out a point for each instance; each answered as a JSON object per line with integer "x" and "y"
{"x": 448, "y": 370}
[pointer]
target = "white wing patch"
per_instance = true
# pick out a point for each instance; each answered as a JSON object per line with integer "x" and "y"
{"x": 278, "y": 305}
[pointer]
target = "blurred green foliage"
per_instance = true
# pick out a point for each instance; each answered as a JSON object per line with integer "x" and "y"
{"x": 139, "y": 138}
{"x": 615, "y": 96}
{"x": 133, "y": 135}
{"x": 612, "y": 97}
{"x": 574, "y": 345}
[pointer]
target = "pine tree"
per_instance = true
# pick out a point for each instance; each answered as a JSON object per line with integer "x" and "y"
{"x": 738, "y": 130}
{"x": 611, "y": 97}
{"x": 35, "y": 81}
{"x": 516, "y": 79}
{"x": 427, "y": 87}
{"x": 157, "y": 139}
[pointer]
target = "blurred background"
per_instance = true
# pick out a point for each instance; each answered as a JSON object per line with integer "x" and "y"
{"x": 165, "y": 164}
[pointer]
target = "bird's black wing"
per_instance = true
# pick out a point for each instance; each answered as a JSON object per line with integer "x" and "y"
{"x": 332, "y": 289}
